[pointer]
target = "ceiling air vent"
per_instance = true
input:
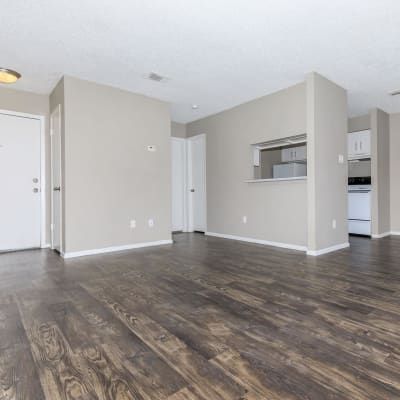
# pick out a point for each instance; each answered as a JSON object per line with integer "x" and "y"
{"x": 156, "y": 78}
{"x": 395, "y": 93}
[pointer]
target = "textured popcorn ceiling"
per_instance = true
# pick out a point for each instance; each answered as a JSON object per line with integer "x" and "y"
{"x": 215, "y": 53}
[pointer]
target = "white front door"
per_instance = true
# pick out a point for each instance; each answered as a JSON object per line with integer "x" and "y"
{"x": 197, "y": 183}
{"x": 178, "y": 169}
{"x": 55, "y": 134}
{"x": 20, "y": 182}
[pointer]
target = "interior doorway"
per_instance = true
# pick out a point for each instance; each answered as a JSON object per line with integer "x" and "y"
{"x": 188, "y": 170}
{"x": 197, "y": 203}
{"x": 22, "y": 201}
{"x": 56, "y": 179}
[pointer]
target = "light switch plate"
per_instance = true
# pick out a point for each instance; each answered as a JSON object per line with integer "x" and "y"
{"x": 341, "y": 158}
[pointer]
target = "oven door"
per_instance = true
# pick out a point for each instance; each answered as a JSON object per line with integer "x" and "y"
{"x": 359, "y": 205}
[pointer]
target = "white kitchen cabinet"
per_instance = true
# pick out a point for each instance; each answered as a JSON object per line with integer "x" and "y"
{"x": 294, "y": 153}
{"x": 359, "y": 144}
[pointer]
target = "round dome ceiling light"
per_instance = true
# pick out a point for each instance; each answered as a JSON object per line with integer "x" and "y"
{"x": 8, "y": 75}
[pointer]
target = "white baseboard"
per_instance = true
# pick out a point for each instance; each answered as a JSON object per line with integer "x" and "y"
{"x": 328, "y": 249}
{"x": 395, "y": 233}
{"x": 381, "y": 235}
{"x": 258, "y": 241}
{"x": 45, "y": 246}
{"x": 114, "y": 248}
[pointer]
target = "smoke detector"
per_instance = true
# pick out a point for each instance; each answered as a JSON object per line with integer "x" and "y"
{"x": 156, "y": 77}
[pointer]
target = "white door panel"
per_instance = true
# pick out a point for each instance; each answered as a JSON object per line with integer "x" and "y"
{"x": 20, "y": 199}
{"x": 56, "y": 178}
{"x": 197, "y": 184}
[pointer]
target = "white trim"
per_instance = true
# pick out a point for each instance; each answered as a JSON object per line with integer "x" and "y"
{"x": 46, "y": 246}
{"x": 328, "y": 249}
{"x": 381, "y": 235}
{"x": 296, "y": 178}
{"x": 43, "y": 200}
{"x": 115, "y": 248}
{"x": 258, "y": 241}
{"x": 395, "y": 233}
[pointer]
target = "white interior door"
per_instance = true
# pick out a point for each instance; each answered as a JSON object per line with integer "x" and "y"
{"x": 56, "y": 181}
{"x": 197, "y": 183}
{"x": 178, "y": 171}
{"x": 20, "y": 199}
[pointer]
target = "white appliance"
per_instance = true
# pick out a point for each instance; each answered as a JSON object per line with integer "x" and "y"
{"x": 289, "y": 170}
{"x": 359, "y": 211}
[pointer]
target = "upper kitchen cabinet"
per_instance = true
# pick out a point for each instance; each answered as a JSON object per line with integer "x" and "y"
{"x": 359, "y": 145}
{"x": 295, "y": 153}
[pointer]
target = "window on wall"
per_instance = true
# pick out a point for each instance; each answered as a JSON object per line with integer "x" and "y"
{"x": 281, "y": 159}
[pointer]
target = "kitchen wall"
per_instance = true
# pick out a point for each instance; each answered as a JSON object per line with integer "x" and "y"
{"x": 395, "y": 172}
{"x": 110, "y": 177}
{"x": 276, "y": 211}
{"x": 178, "y": 130}
{"x": 380, "y": 172}
{"x": 327, "y": 178}
{"x": 267, "y": 160}
{"x": 360, "y": 123}
{"x": 31, "y": 103}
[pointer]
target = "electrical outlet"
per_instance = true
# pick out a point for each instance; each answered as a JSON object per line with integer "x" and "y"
{"x": 334, "y": 224}
{"x": 244, "y": 219}
{"x": 151, "y": 222}
{"x": 133, "y": 224}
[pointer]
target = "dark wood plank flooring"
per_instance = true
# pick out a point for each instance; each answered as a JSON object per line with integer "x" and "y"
{"x": 203, "y": 319}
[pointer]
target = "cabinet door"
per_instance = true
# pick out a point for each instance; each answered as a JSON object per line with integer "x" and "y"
{"x": 352, "y": 144}
{"x": 300, "y": 153}
{"x": 287, "y": 154}
{"x": 364, "y": 142}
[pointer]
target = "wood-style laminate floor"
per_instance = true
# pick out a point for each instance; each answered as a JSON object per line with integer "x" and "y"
{"x": 205, "y": 318}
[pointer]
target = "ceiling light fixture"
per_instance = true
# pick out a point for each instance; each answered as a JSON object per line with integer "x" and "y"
{"x": 195, "y": 107}
{"x": 8, "y": 75}
{"x": 395, "y": 93}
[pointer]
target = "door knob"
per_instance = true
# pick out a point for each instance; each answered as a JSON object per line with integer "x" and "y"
{"x": 35, "y": 190}
{"x": 192, "y": 190}
{"x": 57, "y": 188}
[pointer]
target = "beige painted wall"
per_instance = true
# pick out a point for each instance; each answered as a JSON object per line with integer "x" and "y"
{"x": 395, "y": 172}
{"x": 361, "y": 123}
{"x": 272, "y": 214}
{"x": 178, "y": 130}
{"x": 31, "y": 103}
{"x": 107, "y": 132}
{"x": 327, "y": 179}
{"x": 380, "y": 169}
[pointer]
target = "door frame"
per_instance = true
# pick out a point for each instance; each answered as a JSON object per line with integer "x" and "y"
{"x": 44, "y": 243}
{"x": 190, "y": 224}
{"x": 185, "y": 181}
{"x": 57, "y": 108}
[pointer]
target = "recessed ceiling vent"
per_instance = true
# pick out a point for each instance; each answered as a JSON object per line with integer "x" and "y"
{"x": 395, "y": 93}
{"x": 156, "y": 78}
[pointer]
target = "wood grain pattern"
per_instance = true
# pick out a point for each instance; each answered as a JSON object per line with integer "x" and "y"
{"x": 203, "y": 319}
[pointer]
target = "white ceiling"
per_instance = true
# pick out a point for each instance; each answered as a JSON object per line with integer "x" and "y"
{"x": 216, "y": 53}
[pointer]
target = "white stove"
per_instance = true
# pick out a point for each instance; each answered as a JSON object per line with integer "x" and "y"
{"x": 359, "y": 209}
